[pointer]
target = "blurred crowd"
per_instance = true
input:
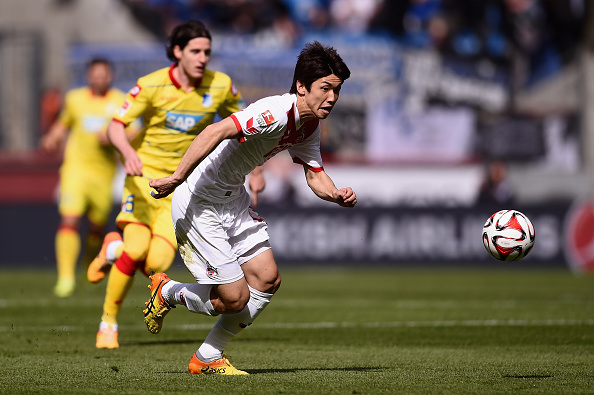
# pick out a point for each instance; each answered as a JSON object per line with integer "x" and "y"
{"x": 536, "y": 37}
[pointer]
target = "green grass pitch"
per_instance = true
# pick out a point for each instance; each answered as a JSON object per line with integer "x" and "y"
{"x": 364, "y": 330}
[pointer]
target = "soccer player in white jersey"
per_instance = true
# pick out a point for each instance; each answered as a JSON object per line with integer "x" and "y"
{"x": 223, "y": 241}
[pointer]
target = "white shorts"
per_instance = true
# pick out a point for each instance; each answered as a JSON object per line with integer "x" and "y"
{"x": 215, "y": 239}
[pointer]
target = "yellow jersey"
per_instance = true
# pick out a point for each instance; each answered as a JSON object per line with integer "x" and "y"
{"x": 86, "y": 115}
{"x": 172, "y": 117}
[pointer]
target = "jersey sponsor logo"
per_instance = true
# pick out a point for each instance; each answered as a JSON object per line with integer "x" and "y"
{"x": 135, "y": 91}
{"x": 182, "y": 122}
{"x": 94, "y": 124}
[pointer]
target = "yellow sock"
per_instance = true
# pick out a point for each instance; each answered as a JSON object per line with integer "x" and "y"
{"x": 118, "y": 285}
{"x": 119, "y": 250}
{"x": 67, "y": 251}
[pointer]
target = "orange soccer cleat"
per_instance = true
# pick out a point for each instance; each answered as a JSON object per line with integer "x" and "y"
{"x": 107, "y": 338}
{"x": 100, "y": 266}
{"x": 219, "y": 366}
{"x": 156, "y": 307}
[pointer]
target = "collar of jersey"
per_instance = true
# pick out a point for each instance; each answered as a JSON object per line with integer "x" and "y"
{"x": 176, "y": 83}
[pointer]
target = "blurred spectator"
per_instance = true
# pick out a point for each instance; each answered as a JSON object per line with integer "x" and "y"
{"x": 50, "y": 105}
{"x": 353, "y": 15}
{"x": 310, "y": 14}
{"x": 496, "y": 188}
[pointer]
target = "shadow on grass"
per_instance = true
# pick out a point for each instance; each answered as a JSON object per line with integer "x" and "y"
{"x": 295, "y": 370}
{"x": 196, "y": 340}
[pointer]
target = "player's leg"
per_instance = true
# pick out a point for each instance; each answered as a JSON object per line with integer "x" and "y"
{"x": 67, "y": 245}
{"x": 261, "y": 271}
{"x": 72, "y": 206}
{"x": 101, "y": 252}
{"x": 100, "y": 205}
{"x": 137, "y": 239}
{"x": 160, "y": 256}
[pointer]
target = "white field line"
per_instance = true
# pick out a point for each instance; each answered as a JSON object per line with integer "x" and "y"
{"x": 333, "y": 325}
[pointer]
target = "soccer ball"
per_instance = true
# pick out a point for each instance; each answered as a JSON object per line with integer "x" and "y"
{"x": 508, "y": 235}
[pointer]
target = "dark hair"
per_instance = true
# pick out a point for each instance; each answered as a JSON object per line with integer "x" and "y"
{"x": 183, "y": 33}
{"x": 99, "y": 60}
{"x": 317, "y": 61}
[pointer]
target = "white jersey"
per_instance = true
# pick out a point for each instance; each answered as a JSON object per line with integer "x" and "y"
{"x": 267, "y": 127}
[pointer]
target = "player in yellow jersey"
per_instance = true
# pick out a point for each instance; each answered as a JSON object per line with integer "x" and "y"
{"x": 87, "y": 171}
{"x": 176, "y": 104}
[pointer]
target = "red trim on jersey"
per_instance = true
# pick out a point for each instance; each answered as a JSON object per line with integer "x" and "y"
{"x": 299, "y": 161}
{"x": 172, "y": 78}
{"x": 241, "y": 137}
{"x": 118, "y": 121}
{"x": 176, "y": 82}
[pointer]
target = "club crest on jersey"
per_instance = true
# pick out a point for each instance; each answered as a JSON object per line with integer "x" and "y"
{"x": 182, "y": 122}
{"x": 207, "y": 100}
{"x": 211, "y": 271}
{"x": 135, "y": 91}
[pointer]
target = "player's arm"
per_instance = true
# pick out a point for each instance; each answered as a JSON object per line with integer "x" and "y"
{"x": 202, "y": 145}
{"x": 55, "y": 137}
{"x": 116, "y": 133}
{"x": 323, "y": 186}
{"x": 257, "y": 183}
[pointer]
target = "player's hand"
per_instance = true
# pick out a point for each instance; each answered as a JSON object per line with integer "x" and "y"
{"x": 132, "y": 163}
{"x": 102, "y": 137}
{"x": 163, "y": 186}
{"x": 345, "y": 197}
{"x": 49, "y": 143}
{"x": 257, "y": 183}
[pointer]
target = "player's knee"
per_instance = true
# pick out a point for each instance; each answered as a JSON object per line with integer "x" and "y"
{"x": 268, "y": 282}
{"x": 235, "y": 301}
{"x": 159, "y": 258}
{"x": 137, "y": 239}
{"x": 136, "y": 251}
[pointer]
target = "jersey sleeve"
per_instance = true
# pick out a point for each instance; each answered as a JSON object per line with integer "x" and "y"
{"x": 233, "y": 102}
{"x": 307, "y": 152}
{"x": 136, "y": 102}
{"x": 66, "y": 116}
{"x": 260, "y": 121}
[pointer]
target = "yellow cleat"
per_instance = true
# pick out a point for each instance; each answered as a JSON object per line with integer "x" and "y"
{"x": 64, "y": 287}
{"x": 156, "y": 307}
{"x": 220, "y": 366}
{"x": 107, "y": 338}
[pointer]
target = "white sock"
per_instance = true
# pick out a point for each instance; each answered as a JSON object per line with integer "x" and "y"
{"x": 110, "y": 251}
{"x": 196, "y": 297}
{"x": 229, "y": 325}
{"x": 105, "y": 325}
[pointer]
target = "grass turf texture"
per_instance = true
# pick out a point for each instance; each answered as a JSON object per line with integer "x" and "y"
{"x": 338, "y": 331}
